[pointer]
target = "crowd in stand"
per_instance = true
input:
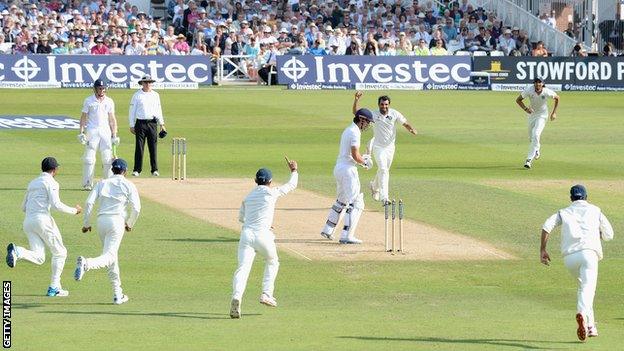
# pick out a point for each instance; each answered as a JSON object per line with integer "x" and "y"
{"x": 260, "y": 29}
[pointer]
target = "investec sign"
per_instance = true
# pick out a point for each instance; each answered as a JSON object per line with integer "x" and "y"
{"x": 38, "y": 70}
{"x": 348, "y": 71}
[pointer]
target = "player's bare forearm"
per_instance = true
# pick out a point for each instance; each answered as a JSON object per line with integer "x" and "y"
{"x": 356, "y": 101}
{"x": 112, "y": 123}
{"x": 410, "y": 128}
{"x": 544, "y": 257}
{"x": 520, "y": 103}
{"x": 83, "y": 122}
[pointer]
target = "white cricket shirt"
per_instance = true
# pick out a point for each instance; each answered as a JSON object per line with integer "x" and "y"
{"x": 350, "y": 137}
{"x": 256, "y": 211}
{"x": 98, "y": 111}
{"x": 145, "y": 106}
{"x": 384, "y": 128}
{"x": 115, "y": 194}
{"x": 43, "y": 193}
{"x": 582, "y": 227}
{"x": 539, "y": 102}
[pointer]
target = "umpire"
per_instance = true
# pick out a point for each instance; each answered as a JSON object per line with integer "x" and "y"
{"x": 145, "y": 113}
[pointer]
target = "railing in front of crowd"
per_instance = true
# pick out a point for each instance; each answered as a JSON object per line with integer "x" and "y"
{"x": 232, "y": 68}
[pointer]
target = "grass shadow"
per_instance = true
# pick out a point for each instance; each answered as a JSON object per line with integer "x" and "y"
{"x": 522, "y": 344}
{"x": 196, "y": 240}
{"x": 192, "y": 315}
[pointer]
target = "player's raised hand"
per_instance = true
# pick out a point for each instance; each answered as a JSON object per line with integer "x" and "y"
{"x": 291, "y": 164}
{"x": 358, "y": 95}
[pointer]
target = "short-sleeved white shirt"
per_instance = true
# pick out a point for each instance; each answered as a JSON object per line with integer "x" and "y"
{"x": 384, "y": 128}
{"x": 350, "y": 137}
{"x": 539, "y": 102}
{"x": 97, "y": 112}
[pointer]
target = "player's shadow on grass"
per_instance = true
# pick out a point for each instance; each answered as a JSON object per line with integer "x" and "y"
{"x": 193, "y": 315}
{"x": 198, "y": 240}
{"x": 523, "y": 344}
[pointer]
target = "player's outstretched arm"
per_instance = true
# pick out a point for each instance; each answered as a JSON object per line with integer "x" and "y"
{"x": 410, "y": 128}
{"x": 544, "y": 257}
{"x": 553, "y": 114}
{"x": 356, "y": 101}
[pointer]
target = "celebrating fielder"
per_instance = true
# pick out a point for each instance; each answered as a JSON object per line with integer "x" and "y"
{"x": 115, "y": 193}
{"x": 538, "y": 113}
{"x": 348, "y": 180}
{"x": 98, "y": 118}
{"x": 583, "y": 225}
{"x": 382, "y": 144}
{"x": 40, "y": 227}
{"x": 256, "y": 215}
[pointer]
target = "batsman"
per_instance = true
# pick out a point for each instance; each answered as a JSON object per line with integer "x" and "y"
{"x": 99, "y": 122}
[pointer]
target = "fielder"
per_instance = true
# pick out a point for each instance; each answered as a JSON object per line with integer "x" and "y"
{"x": 382, "y": 144}
{"x": 348, "y": 181}
{"x": 98, "y": 119}
{"x": 40, "y": 227}
{"x": 256, "y": 215}
{"x": 538, "y": 113}
{"x": 115, "y": 194}
{"x": 583, "y": 226}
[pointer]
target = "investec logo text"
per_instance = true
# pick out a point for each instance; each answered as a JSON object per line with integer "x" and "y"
{"x": 417, "y": 71}
{"x": 28, "y": 70}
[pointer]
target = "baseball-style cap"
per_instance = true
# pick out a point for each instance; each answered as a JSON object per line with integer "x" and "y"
{"x": 263, "y": 176}
{"x": 99, "y": 83}
{"x": 578, "y": 192}
{"x": 49, "y": 163}
{"x": 536, "y": 80}
{"x": 365, "y": 113}
{"x": 119, "y": 164}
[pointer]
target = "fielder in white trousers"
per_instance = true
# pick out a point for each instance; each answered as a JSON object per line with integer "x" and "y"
{"x": 382, "y": 145}
{"x": 583, "y": 227}
{"x": 116, "y": 194}
{"x": 40, "y": 227}
{"x": 99, "y": 122}
{"x": 256, "y": 215}
{"x": 538, "y": 96}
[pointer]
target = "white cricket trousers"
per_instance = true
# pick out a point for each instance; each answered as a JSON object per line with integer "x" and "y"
{"x": 536, "y": 127}
{"x": 42, "y": 231}
{"x": 347, "y": 183}
{"x": 251, "y": 242}
{"x": 383, "y": 158}
{"x": 583, "y": 265}
{"x": 97, "y": 139}
{"x": 111, "y": 230}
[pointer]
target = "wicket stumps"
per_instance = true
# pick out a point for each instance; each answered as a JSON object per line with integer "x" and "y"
{"x": 390, "y": 210}
{"x": 178, "y": 158}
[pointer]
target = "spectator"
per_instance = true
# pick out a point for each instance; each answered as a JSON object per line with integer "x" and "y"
{"x": 449, "y": 31}
{"x": 60, "y": 48}
{"x": 269, "y": 64}
{"x": 100, "y": 48}
{"x": 505, "y": 43}
{"x": 181, "y": 47}
{"x": 540, "y": 50}
{"x": 438, "y": 49}
{"x": 354, "y": 48}
{"x": 370, "y": 49}
{"x": 134, "y": 47}
{"x": 578, "y": 51}
{"x": 317, "y": 50}
{"x": 44, "y": 47}
{"x": 486, "y": 40}
{"x": 608, "y": 50}
{"x": 422, "y": 49}
{"x": 79, "y": 49}
{"x": 570, "y": 31}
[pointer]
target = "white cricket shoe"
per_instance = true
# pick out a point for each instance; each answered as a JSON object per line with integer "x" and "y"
{"x": 374, "y": 192}
{"x": 527, "y": 164}
{"x": 87, "y": 187}
{"x": 235, "y": 311}
{"x": 81, "y": 268}
{"x": 351, "y": 240}
{"x": 135, "y": 174}
{"x": 268, "y": 300}
{"x": 52, "y": 292}
{"x": 119, "y": 299}
{"x": 155, "y": 174}
{"x": 592, "y": 331}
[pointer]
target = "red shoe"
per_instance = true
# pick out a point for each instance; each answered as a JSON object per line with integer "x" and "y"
{"x": 581, "y": 332}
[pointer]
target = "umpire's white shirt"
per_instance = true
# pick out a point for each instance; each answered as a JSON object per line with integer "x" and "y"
{"x": 539, "y": 102}
{"x": 98, "y": 111}
{"x": 145, "y": 106}
{"x": 256, "y": 212}
{"x": 384, "y": 128}
{"x": 350, "y": 137}
{"x": 583, "y": 225}
{"x": 43, "y": 193}
{"x": 115, "y": 194}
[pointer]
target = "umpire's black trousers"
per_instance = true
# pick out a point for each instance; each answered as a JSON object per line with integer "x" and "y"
{"x": 145, "y": 129}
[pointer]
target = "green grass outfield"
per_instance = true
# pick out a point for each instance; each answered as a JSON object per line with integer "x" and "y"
{"x": 177, "y": 270}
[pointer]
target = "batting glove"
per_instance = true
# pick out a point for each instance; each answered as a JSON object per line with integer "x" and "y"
{"x": 115, "y": 140}
{"x": 82, "y": 138}
{"x": 368, "y": 161}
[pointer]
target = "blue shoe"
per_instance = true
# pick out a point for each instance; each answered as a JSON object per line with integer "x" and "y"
{"x": 52, "y": 292}
{"x": 11, "y": 257}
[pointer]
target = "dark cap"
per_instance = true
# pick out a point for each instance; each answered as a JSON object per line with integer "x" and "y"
{"x": 119, "y": 164}
{"x": 538, "y": 80}
{"x": 99, "y": 83}
{"x": 364, "y": 113}
{"x": 578, "y": 192}
{"x": 263, "y": 176}
{"x": 49, "y": 163}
